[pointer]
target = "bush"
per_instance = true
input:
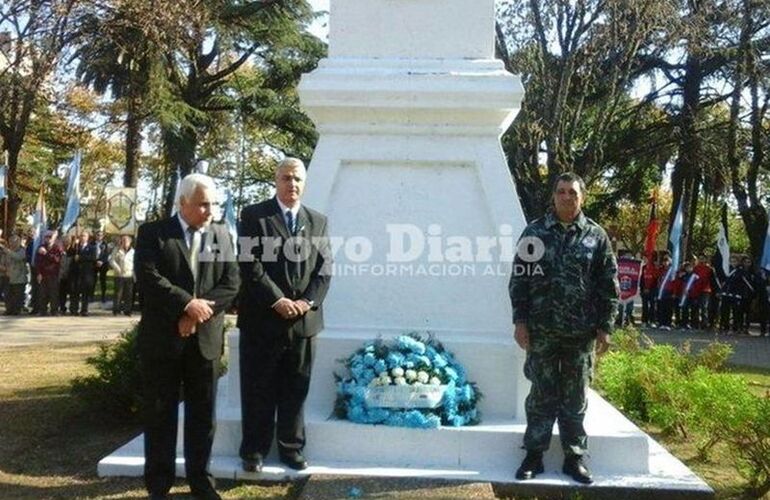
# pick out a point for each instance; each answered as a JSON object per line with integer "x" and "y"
{"x": 116, "y": 388}
{"x": 689, "y": 394}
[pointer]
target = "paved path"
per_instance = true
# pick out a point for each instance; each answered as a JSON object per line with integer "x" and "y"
{"x": 748, "y": 350}
{"x": 30, "y": 330}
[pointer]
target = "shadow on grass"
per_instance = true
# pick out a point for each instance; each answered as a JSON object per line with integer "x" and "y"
{"x": 47, "y": 431}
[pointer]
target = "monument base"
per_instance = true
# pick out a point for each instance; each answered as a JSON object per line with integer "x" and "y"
{"x": 621, "y": 457}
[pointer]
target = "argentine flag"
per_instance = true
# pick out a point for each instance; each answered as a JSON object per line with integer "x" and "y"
{"x": 73, "y": 195}
{"x": 2, "y": 181}
{"x": 229, "y": 220}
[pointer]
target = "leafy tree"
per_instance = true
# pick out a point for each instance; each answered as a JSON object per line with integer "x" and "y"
{"x": 37, "y": 33}
{"x": 578, "y": 62}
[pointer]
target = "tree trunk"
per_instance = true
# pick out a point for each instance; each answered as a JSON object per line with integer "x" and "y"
{"x": 133, "y": 144}
{"x": 179, "y": 146}
{"x": 684, "y": 178}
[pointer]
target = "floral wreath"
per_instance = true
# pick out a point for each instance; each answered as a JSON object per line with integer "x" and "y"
{"x": 407, "y": 360}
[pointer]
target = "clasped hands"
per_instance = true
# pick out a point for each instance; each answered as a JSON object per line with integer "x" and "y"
{"x": 289, "y": 309}
{"x": 196, "y": 311}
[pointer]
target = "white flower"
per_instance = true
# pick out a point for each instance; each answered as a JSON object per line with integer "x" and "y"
{"x": 410, "y": 375}
{"x": 417, "y": 382}
{"x": 435, "y": 381}
{"x": 423, "y": 377}
{"x": 399, "y": 381}
{"x": 385, "y": 380}
{"x": 397, "y": 372}
{"x": 375, "y": 382}
{"x": 383, "y": 374}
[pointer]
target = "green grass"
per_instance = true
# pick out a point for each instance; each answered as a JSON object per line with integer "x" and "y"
{"x": 51, "y": 442}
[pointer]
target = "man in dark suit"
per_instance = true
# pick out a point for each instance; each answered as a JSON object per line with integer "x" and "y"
{"x": 279, "y": 314}
{"x": 103, "y": 251}
{"x": 83, "y": 269}
{"x": 181, "y": 333}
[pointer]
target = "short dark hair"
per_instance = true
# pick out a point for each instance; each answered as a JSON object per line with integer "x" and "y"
{"x": 570, "y": 177}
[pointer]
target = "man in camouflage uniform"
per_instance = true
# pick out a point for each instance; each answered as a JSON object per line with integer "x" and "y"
{"x": 564, "y": 293}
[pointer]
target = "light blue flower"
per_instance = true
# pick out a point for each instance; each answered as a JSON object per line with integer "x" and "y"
{"x": 380, "y": 366}
{"x": 407, "y": 342}
{"x": 394, "y": 359}
{"x": 369, "y": 359}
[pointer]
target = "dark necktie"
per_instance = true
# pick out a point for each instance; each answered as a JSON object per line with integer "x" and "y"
{"x": 290, "y": 222}
{"x": 195, "y": 249}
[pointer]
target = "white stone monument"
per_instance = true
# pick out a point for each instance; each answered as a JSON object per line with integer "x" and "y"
{"x": 410, "y": 106}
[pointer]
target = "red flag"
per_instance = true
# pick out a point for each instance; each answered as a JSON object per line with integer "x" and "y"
{"x": 652, "y": 230}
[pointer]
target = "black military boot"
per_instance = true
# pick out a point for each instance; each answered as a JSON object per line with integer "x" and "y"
{"x": 531, "y": 466}
{"x": 574, "y": 467}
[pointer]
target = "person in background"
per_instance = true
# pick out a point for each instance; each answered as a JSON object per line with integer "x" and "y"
{"x": 84, "y": 272}
{"x": 122, "y": 264}
{"x": 3, "y": 275}
{"x": 666, "y": 294}
{"x": 689, "y": 298}
{"x": 649, "y": 292}
{"x": 103, "y": 251}
{"x": 763, "y": 291}
{"x": 47, "y": 268}
{"x": 34, "y": 296}
{"x": 743, "y": 288}
{"x": 705, "y": 279}
{"x": 726, "y": 298}
{"x": 65, "y": 283}
{"x": 14, "y": 261}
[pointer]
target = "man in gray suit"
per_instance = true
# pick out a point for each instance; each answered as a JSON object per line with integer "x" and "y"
{"x": 280, "y": 312}
{"x": 181, "y": 333}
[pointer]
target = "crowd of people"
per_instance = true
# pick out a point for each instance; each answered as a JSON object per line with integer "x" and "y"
{"x": 701, "y": 297}
{"x": 65, "y": 273}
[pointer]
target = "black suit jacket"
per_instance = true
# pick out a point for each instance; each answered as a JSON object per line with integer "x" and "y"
{"x": 85, "y": 266}
{"x": 161, "y": 261}
{"x": 272, "y": 275}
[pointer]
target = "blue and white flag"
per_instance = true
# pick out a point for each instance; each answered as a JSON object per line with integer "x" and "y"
{"x": 690, "y": 282}
{"x": 229, "y": 220}
{"x": 674, "y": 246}
{"x": 765, "y": 262}
{"x": 73, "y": 195}
{"x": 675, "y": 237}
{"x": 3, "y": 169}
{"x": 175, "y": 206}
{"x": 39, "y": 224}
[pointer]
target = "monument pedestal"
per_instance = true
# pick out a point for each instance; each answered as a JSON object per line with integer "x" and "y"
{"x": 623, "y": 458}
{"x": 424, "y": 217}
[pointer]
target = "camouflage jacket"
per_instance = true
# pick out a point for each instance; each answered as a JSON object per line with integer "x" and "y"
{"x": 564, "y": 280}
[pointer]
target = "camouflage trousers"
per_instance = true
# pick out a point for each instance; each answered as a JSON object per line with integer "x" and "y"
{"x": 560, "y": 369}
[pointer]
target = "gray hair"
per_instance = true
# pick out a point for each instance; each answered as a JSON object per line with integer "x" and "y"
{"x": 192, "y": 183}
{"x": 289, "y": 162}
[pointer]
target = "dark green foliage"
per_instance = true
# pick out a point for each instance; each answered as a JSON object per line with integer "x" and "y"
{"x": 692, "y": 396}
{"x": 116, "y": 387}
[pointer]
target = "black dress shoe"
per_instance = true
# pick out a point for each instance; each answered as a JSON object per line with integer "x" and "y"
{"x": 294, "y": 460}
{"x": 531, "y": 466}
{"x": 252, "y": 464}
{"x": 205, "y": 493}
{"x": 574, "y": 467}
